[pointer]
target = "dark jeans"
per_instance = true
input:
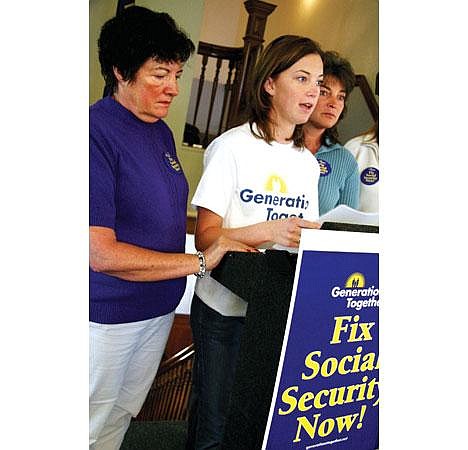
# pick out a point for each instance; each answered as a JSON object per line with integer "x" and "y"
{"x": 217, "y": 340}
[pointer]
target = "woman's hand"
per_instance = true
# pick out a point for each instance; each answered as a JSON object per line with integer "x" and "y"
{"x": 287, "y": 232}
{"x": 215, "y": 252}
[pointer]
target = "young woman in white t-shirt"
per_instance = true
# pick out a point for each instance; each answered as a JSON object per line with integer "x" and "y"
{"x": 259, "y": 187}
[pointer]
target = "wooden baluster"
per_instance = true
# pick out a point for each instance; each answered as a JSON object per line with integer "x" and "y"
{"x": 168, "y": 396}
{"x": 186, "y": 392}
{"x": 201, "y": 82}
{"x": 178, "y": 400}
{"x": 171, "y": 399}
{"x": 219, "y": 61}
{"x": 185, "y": 383}
{"x": 164, "y": 391}
{"x": 227, "y": 92}
{"x": 258, "y": 12}
{"x": 158, "y": 399}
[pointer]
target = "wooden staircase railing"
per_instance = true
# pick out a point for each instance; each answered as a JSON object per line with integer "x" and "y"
{"x": 169, "y": 395}
{"x": 237, "y": 75}
{"x": 232, "y": 55}
{"x": 253, "y": 41}
{"x": 363, "y": 84}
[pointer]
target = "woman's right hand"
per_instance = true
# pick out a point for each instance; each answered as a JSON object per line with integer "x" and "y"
{"x": 215, "y": 252}
{"x": 287, "y": 232}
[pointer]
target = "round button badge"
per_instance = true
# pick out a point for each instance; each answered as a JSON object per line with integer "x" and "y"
{"x": 370, "y": 175}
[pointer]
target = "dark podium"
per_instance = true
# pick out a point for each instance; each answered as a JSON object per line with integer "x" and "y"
{"x": 265, "y": 281}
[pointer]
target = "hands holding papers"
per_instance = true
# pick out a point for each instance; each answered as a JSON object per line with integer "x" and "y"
{"x": 341, "y": 214}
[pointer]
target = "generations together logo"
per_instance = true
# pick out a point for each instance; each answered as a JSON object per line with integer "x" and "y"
{"x": 172, "y": 162}
{"x": 275, "y": 183}
{"x": 276, "y": 199}
{"x": 325, "y": 168}
{"x": 356, "y": 293}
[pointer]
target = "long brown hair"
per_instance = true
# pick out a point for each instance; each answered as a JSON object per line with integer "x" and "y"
{"x": 372, "y": 133}
{"x": 277, "y": 57}
{"x": 340, "y": 68}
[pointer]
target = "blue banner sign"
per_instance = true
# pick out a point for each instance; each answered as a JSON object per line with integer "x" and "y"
{"x": 326, "y": 392}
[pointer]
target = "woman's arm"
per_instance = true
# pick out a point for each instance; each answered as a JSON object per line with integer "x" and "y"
{"x": 133, "y": 263}
{"x": 286, "y": 232}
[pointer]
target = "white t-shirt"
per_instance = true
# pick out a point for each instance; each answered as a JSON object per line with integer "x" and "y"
{"x": 366, "y": 152}
{"x": 247, "y": 181}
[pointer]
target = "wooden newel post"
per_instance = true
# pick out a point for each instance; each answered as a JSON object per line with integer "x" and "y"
{"x": 253, "y": 40}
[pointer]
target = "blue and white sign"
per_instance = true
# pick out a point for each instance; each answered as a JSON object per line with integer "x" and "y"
{"x": 327, "y": 389}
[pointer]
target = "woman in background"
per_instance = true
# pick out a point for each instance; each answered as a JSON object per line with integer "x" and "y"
{"x": 339, "y": 178}
{"x": 259, "y": 187}
{"x": 365, "y": 148}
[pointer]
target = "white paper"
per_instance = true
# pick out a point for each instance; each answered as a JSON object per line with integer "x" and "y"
{"x": 345, "y": 214}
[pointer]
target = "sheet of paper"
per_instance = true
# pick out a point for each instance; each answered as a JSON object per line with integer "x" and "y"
{"x": 345, "y": 214}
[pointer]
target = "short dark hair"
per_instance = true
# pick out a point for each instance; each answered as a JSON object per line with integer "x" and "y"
{"x": 279, "y": 55}
{"x": 129, "y": 39}
{"x": 340, "y": 68}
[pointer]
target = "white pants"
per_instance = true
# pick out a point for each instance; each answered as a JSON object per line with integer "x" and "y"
{"x": 123, "y": 361}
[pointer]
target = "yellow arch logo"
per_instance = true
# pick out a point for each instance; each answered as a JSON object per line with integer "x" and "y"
{"x": 355, "y": 280}
{"x": 275, "y": 184}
